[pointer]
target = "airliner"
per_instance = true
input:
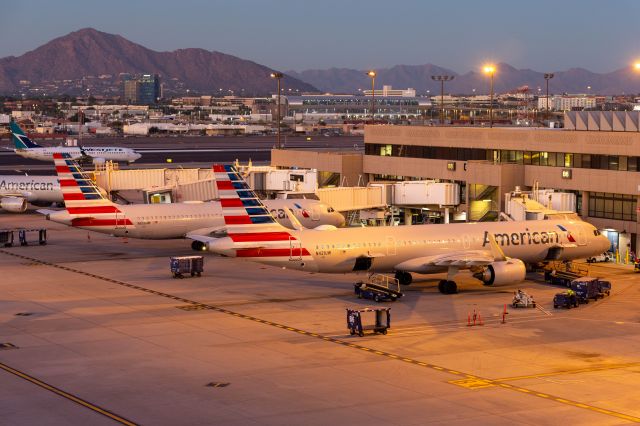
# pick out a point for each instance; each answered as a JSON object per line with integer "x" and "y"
{"x": 88, "y": 208}
{"x": 17, "y": 191}
{"x": 26, "y": 148}
{"x": 494, "y": 252}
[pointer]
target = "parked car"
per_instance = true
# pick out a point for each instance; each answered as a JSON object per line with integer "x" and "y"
{"x": 604, "y": 257}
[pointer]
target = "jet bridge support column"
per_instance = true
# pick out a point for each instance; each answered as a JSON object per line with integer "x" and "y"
{"x": 446, "y": 215}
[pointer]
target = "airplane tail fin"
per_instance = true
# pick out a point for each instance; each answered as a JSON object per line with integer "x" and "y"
{"x": 252, "y": 232}
{"x": 82, "y": 197}
{"x": 20, "y": 140}
{"x": 243, "y": 211}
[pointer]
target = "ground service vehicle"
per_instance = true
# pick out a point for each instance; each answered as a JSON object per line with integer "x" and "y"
{"x": 566, "y": 300}
{"x": 379, "y": 287}
{"x": 586, "y": 288}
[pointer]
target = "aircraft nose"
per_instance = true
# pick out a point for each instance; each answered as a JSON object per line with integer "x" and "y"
{"x": 339, "y": 220}
{"x": 604, "y": 243}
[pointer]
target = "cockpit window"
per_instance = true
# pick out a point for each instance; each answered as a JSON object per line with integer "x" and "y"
{"x": 596, "y": 232}
{"x": 330, "y": 209}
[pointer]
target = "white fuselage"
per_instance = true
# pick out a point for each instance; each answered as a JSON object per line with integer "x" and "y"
{"x": 32, "y": 188}
{"x": 165, "y": 221}
{"x": 407, "y": 247}
{"x": 102, "y": 153}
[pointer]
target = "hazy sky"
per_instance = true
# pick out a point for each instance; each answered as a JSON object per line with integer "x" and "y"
{"x": 544, "y": 35}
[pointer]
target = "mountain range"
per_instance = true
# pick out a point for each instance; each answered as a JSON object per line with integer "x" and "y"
{"x": 89, "y": 52}
{"x": 506, "y": 79}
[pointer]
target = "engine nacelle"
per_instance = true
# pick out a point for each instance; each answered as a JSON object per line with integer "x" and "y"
{"x": 14, "y": 204}
{"x": 199, "y": 246}
{"x": 500, "y": 273}
{"x": 98, "y": 161}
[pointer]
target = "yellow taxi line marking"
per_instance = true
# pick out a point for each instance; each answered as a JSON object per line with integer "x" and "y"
{"x": 564, "y": 372}
{"x": 482, "y": 383}
{"x": 67, "y": 395}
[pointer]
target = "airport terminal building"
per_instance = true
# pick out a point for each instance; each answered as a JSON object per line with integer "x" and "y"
{"x": 602, "y": 168}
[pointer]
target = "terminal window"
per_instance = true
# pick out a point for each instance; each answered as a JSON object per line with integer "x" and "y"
{"x": 613, "y": 206}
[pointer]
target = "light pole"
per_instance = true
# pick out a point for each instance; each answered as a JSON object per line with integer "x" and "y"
{"x": 372, "y": 74}
{"x": 442, "y": 79}
{"x": 547, "y": 77}
{"x": 278, "y": 76}
{"x": 490, "y": 70}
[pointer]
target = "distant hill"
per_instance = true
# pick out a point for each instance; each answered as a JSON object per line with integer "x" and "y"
{"x": 89, "y": 52}
{"x": 507, "y": 78}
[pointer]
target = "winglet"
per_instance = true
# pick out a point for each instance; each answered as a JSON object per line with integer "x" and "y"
{"x": 294, "y": 220}
{"x": 496, "y": 251}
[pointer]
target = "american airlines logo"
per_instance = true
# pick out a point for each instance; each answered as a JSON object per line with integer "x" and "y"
{"x": 26, "y": 186}
{"x": 522, "y": 238}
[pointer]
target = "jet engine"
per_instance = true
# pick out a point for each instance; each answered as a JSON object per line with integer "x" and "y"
{"x": 98, "y": 161}
{"x": 199, "y": 246}
{"x": 14, "y": 204}
{"x": 223, "y": 246}
{"x": 505, "y": 272}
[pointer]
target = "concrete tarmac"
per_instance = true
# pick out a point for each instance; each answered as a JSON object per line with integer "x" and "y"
{"x": 93, "y": 330}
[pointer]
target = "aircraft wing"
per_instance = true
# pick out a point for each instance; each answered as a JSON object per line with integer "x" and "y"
{"x": 202, "y": 238}
{"x": 208, "y": 233}
{"x": 462, "y": 259}
{"x": 47, "y": 211}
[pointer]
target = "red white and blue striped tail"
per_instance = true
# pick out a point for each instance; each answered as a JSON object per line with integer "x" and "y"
{"x": 253, "y": 231}
{"x": 82, "y": 197}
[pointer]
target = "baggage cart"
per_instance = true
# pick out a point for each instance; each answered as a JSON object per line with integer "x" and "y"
{"x": 522, "y": 300}
{"x": 182, "y": 265}
{"x": 382, "y": 318}
{"x": 586, "y": 288}
{"x": 604, "y": 287}
{"x": 25, "y": 236}
{"x": 6, "y": 237}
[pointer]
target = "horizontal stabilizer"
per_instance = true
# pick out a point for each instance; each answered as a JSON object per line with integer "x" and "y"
{"x": 47, "y": 212}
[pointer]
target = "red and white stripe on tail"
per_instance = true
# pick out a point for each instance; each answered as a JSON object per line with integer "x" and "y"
{"x": 82, "y": 198}
{"x": 251, "y": 229}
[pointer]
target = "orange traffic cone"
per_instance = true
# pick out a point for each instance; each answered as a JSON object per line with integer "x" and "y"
{"x": 469, "y": 319}
{"x": 480, "y": 319}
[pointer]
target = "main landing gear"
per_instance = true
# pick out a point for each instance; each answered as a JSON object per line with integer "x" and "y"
{"x": 447, "y": 287}
{"x": 404, "y": 278}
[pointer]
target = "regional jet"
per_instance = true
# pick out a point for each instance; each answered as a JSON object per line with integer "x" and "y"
{"x": 17, "y": 191}
{"x": 495, "y": 252}
{"x": 26, "y": 148}
{"x": 88, "y": 208}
